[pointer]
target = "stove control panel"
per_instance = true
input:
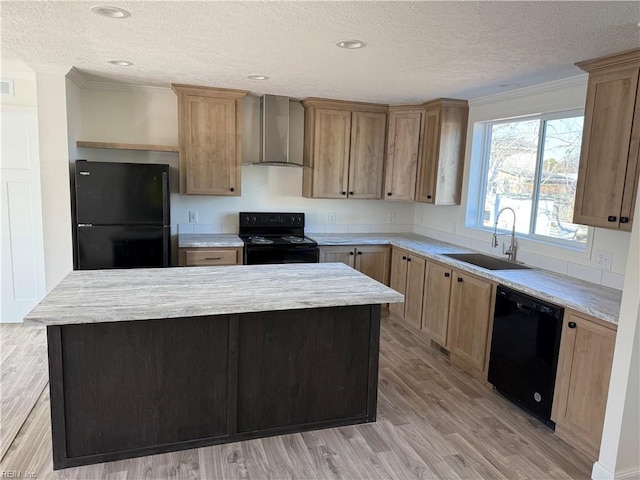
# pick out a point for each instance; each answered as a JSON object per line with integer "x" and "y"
{"x": 271, "y": 220}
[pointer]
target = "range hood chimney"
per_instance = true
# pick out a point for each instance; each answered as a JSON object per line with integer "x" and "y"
{"x": 274, "y": 132}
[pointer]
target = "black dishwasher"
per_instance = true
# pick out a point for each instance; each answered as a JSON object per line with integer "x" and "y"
{"x": 524, "y": 351}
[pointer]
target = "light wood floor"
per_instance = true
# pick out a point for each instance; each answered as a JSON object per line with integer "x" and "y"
{"x": 434, "y": 422}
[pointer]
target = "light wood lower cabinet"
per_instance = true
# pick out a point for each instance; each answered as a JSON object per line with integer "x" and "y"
{"x": 470, "y": 317}
{"x": 208, "y": 257}
{"x": 407, "y": 277}
{"x": 372, "y": 260}
{"x": 582, "y": 382}
{"x": 435, "y": 307}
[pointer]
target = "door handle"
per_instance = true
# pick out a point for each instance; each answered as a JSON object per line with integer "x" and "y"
{"x": 624, "y": 219}
{"x": 447, "y": 274}
{"x": 459, "y": 279}
{"x": 388, "y": 194}
{"x": 611, "y": 218}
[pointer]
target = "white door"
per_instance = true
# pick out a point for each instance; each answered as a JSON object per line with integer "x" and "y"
{"x": 22, "y": 281}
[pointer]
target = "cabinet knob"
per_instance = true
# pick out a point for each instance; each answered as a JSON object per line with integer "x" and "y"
{"x": 428, "y": 196}
{"x": 624, "y": 219}
{"x": 343, "y": 193}
{"x": 359, "y": 253}
{"x": 408, "y": 259}
{"x": 459, "y": 279}
{"x": 232, "y": 189}
{"x": 404, "y": 257}
{"x": 611, "y": 218}
{"x": 350, "y": 253}
{"x": 351, "y": 193}
{"x": 388, "y": 194}
{"x": 571, "y": 324}
{"x": 447, "y": 274}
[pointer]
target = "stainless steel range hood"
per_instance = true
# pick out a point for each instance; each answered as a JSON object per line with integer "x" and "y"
{"x": 274, "y": 132}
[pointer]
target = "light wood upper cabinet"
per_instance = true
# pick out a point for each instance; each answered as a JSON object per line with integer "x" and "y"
{"x": 470, "y": 317}
{"x": 582, "y": 381}
{"x": 403, "y": 147}
{"x": 372, "y": 260}
{"x": 608, "y": 173}
{"x": 210, "y": 138}
{"x": 435, "y": 309}
{"x": 343, "y": 149}
{"x": 331, "y": 153}
{"x": 407, "y": 277}
{"x": 366, "y": 160}
{"x": 442, "y": 160}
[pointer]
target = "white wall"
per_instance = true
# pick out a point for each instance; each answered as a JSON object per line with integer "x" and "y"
{"x": 620, "y": 447}
{"x": 149, "y": 115}
{"x": 54, "y": 172}
{"x": 448, "y": 223}
{"x": 24, "y": 83}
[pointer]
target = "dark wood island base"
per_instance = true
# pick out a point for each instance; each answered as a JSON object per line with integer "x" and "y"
{"x": 132, "y": 388}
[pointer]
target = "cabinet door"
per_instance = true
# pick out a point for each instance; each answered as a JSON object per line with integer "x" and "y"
{"x": 398, "y": 278}
{"x": 429, "y": 161}
{"x": 606, "y": 141}
{"x": 582, "y": 383}
{"x": 331, "y": 153}
{"x": 338, "y": 254}
{"x": 211, "y": 146}
{"x": 416, "y": 266}
{"x": 403, "y": 145}
{"x": 470, "y": 315}
{"x": 632, "y": 178}
{"x": 374, "y": 262}
{"x": 435, "y": 309}
{"x": 366, "y": 161}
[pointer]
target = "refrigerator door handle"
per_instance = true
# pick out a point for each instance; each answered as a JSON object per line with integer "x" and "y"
{"x": 165, "y": 197}
{"x": 166, "y": 257}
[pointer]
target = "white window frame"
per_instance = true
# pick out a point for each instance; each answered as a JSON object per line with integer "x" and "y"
{"x": 475, "y": 211}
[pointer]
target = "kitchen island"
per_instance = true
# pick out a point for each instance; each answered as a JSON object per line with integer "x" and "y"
{"x": 147, "y": 361}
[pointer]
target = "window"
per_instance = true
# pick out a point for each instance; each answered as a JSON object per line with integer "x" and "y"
{"x": 531, "y": 165}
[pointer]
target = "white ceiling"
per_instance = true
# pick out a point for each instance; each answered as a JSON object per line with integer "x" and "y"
{"x": 415, "y": 51}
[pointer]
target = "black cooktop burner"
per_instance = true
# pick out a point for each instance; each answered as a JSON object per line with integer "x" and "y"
{"x": 260, "y": 240}
{"x": 277, "y": 240}
{"x": 293, "y": 239}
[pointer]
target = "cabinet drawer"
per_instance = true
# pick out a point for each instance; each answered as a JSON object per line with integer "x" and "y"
{"x": 201, "y": 258}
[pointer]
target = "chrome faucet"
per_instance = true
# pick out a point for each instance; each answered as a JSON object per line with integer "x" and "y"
{"x": 511, "y": 252}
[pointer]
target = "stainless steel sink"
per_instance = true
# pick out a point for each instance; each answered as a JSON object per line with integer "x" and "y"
{"x": 486, "y": 261}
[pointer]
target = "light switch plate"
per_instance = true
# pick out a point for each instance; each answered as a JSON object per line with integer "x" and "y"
{"x": 193, "y": 216}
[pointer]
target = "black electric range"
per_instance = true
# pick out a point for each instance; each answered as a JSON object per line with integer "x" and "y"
{"x": 275, "y": 238}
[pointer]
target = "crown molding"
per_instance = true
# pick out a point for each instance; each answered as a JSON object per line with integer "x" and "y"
{"x": 50, "y": 68}
{"x": 125, "y": 87}
{"x": 577, "y": 80}
{"x": 76, "y": 77}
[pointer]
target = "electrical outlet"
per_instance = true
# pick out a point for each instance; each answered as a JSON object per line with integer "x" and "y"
{"x": 332, "y": 218}
{"x": 603, "y": 259}
{"x": 193, "y": 216}
{"x": 391, "y": 218}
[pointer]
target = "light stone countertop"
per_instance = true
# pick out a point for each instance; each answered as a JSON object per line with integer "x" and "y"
{"x": 95, "y": 296}
{"x": 569, "y": 292}
{"x": 212, "y": 240}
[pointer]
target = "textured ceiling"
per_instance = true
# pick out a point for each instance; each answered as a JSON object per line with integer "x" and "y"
{"x": 415, "y": 51}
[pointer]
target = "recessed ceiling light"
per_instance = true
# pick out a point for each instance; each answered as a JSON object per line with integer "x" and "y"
{"x": 350, "y": 44}
{"x": 258, "y": 77}
{"x": 111, "y": 12}
{"x": 120, "y": 63}
{"x": 509, "y": 85}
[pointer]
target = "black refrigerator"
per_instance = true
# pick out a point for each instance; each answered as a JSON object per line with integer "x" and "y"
{"x": 121, "y": 215}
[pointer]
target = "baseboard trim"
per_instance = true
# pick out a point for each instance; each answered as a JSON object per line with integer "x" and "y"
{"x": 600, "y": 472}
